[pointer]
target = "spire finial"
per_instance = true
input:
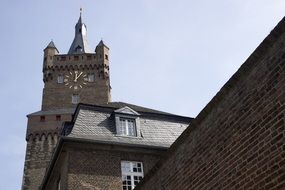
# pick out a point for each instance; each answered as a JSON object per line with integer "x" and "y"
{"x": 80, "y": 10}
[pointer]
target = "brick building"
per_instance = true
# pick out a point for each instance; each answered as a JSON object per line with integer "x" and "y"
{"x": 80, "y": 139}
{"x": 96, "y": 150}
{"x": 238, "y": 140}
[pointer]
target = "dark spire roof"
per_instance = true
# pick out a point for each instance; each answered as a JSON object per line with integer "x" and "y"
{"x": 101, "y": 43}
{"x": 51, "y": 45}
{"x": 80, "y": 43}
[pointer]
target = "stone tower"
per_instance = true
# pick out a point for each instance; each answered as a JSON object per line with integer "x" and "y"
{"x": 81, "y": 75}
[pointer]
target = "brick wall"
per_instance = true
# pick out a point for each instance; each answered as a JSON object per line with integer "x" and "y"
{"x": 238, "y": 140}
{"x": 92, "y": 166}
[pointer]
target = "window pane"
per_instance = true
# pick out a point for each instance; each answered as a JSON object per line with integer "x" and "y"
{"x": 130, "y": 174}
{"x": 91, "y": 78}
{"x": 137, "y": 179}
{"x": 127, "y": 127}
{"x": 60, "y": 79}
{"x": 75, "y": 99}
{"x": 127, "y": 182}
{"x": 123, "y": 130}
{"x": 126, "y": 166}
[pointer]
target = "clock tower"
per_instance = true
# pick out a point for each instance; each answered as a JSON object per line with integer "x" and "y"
{"x": 80, "y": 76}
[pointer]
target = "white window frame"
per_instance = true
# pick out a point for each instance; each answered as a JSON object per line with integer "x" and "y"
{"x": 75, "y": 99}
{"x": 60, "y": 79}
{"x": 124, "y": 127}
{"x": 119, "y": 127}
{"x": 131, "y": 173}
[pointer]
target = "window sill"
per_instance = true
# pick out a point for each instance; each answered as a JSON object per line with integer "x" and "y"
{"x": 126, "y": 136}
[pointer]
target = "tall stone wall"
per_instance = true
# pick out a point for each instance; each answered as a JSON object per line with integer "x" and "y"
{"x": 38, "y": 154}
{"x": 41, "y": 139}
{"x": 238, "y": 140}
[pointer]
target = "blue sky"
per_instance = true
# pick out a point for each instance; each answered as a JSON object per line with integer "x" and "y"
{"x": 168, "y": 55}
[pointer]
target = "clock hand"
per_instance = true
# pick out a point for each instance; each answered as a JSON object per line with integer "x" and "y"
{"x": 77, "y": 76}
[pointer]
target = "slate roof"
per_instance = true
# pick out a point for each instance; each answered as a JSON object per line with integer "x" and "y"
{"x": 97, "y": 123}
{"x": 51, "y": 45}
{"x": 80, "y": 39}
{"x": 117, "y": 105}
{"x": 54, "y": 112}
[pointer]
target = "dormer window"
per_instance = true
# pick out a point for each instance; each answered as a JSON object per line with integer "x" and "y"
{"x": 127, "y": 122}
{"x": 78, "y": 49}
{"x": 127, "y": 127}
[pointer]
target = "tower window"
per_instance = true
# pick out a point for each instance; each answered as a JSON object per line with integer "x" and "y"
{"x": 132, "y": 173}
{"x": 60, "y": 79}
{"x": 75, "y": 99}
{"x": 58, "y": 117}
{"x": 91, "y": 78}
{"x": 42, "y": 118}
{"x": 106, "y": 57}
{"x": 78, "y": 49}
{"x": 76, "y": 58}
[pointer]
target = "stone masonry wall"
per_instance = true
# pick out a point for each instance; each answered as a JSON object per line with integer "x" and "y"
{"x": 41, "y": 140}
{"x": 38, "y": 154}
{"x": 57, "y": 96}
{"x": 238, "y": 140}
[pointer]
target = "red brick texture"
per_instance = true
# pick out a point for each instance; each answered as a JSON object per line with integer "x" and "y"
{"x": 238, "y": 140}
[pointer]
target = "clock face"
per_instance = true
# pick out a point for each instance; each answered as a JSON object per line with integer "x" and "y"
{"x": 75, "y": 79}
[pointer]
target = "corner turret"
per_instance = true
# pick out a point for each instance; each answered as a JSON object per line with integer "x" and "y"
{"x": 102, "y": 55}
{"x": 49, "y": 53}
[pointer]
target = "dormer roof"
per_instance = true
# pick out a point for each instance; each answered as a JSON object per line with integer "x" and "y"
{"x": 127, "y": 110}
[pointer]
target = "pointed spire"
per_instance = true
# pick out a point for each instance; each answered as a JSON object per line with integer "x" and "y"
{"x": 80, "y": 43}
{"x": 101, "y": 44}
{"x": 80, "y": 17}
{"x": 51, "y": 45}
